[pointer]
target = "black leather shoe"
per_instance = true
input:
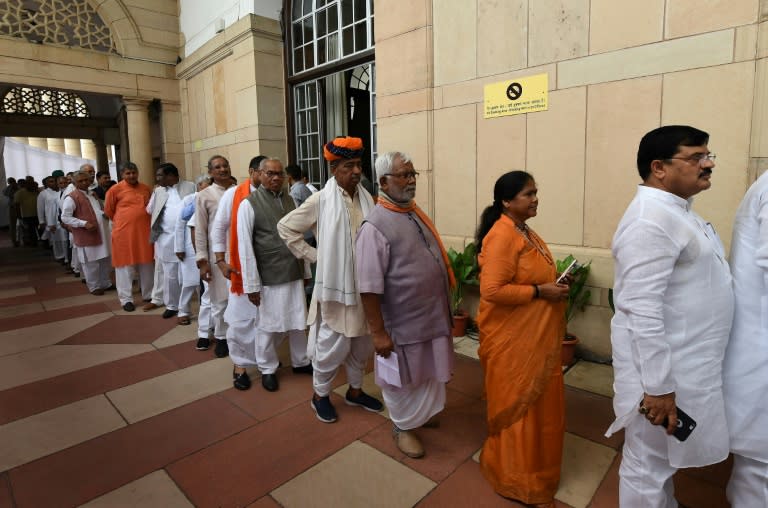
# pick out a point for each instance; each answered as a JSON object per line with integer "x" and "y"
{"x": 168, "y": 313}
{"x": 129, "y": 307}
{"x": 241, "y": 381}
{"x": 269, "y": 382}
{"x": 221, "y": 350}
{"x": 304, "y": 369}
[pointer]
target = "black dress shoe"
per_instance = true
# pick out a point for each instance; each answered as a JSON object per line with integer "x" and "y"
{"x": 129, "y": 307}
{"x": 241, "y": 381}
{"x": 304, "y": 369}
{"x": 269, "y": 382}
{"x": 168, "y": 313}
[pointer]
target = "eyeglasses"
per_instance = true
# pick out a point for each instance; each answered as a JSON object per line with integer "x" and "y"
{"x": 696, "y": 158}
{"x": 404, "y": 176}
{"x": 274, "y": 174}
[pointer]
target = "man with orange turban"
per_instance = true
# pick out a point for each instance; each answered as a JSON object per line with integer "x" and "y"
{"x": 338, "y": 329}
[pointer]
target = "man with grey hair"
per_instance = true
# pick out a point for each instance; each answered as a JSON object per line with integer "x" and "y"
{"x": 272, "y": 277}
{"x": 82, "y": 213}
{"x": 404, "y": 277}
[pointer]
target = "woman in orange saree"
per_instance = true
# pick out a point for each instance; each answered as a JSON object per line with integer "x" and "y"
{"x": 522, "y": 322}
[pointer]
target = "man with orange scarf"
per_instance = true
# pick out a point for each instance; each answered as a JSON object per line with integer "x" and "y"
{"x": 272, "y": 277}
{"x": 404, "y": 276}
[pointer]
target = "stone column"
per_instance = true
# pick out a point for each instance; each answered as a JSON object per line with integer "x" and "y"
{"x": 21, "y": 140}
{"x": 72, "y": 147}
{"x": 39, "y": 143}
{"x": 56, "y": 145}
{"x": 139, "y": 141}
{"x": 88, "y": 149}
{"x": 102, "y": 163}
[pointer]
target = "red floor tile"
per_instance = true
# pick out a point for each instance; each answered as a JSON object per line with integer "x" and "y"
{"x": 607, "y": 494}
{"x": 696, "y": 493}
{"x": 465, "y": 487}
{"x": 6, "y": 496}
{"x": 124, "y": 330}
{"x": 294, "y": 389}
{"x": 33, "y": 398}
{"x": 589, "y": 415}
{"x": 83, "y": 472}
{"x": 39, "y": 318}
{"x": 461, "y": 433}
{"x": 251, "y": 464}
{"x": 19, "y": 300}
{"x": 185, "y": 355}
{"x": 54, "y": 291}
{"x": 467, "y": 377}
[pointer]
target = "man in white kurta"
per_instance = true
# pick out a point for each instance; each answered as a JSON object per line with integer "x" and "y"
{"x": 273, "y": 279}
{"x": 94, "y": 257}
{"x": 164, "y": 207}
{"x": 745, "y": 369}
{"x": 338, "y": 331}
{"x": 206, "y": 204}
{"x": 45, "y": 195}
{"x": 674, "y": 305}
{"x": 59, "y": 236}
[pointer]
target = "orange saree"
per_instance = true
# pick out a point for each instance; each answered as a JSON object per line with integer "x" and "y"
{"x": 520, "y": 341}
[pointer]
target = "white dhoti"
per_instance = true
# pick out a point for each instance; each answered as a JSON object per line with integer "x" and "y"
{"x": 411, "y": 407}
{"x": 171, "y": 285}
{"x": 204, "y": 326}
{"x": 748, "y": 486}
{"x": 157, "y": 283}
{"x": 124, "y": 281}
{"x": 242, "y": 318}
{"x": 282, "y": 311}
{"x": 97, "y": 273}
{"x": 60, "y": 249}
{"x": 329, "y": 349}
{"x": 645, "y": 476}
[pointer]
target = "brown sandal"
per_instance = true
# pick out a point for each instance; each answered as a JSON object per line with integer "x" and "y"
{"x": 184, "y": 320}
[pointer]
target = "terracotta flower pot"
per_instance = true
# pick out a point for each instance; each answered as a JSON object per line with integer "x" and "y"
{"x": 568, "y": 352}
{"x": 460, "y": 324}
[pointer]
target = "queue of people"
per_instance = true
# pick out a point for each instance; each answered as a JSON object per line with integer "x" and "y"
{"x": 690, "y": 349}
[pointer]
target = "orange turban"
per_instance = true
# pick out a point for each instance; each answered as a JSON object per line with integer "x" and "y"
{"x": 343, "y": 148}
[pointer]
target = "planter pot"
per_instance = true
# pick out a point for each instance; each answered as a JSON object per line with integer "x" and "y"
{"x": 460, "y": 324}
{"x": 568, "y": 352}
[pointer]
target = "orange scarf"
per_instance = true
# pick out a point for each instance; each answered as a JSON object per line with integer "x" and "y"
{"x": 235, "y": 278}
{"x": 387, "y": 203}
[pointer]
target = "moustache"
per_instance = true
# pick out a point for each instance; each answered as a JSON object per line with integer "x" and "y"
{"x": 705, "y": 172}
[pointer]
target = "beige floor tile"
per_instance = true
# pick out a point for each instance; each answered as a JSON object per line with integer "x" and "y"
{"x": 370, "y": 387}
{"x": 13, "y": 293}
{"x": 43, "y": 363}
{"x": 592, "y": 377}
{"x": 42, "y": 434}
{"x": 157, "y": 395}
{"x": 584, "y": 466}
{"x": 14, "y": 279}
{"x": 65, "y": 279}
{"x": 467, "y": 347}
{"x": 177, "y": 335}
{"x": 357, "y": 475}
{"x": 71, "y": 301}
{"x": 18, "y": 268}
{"x": 34, "y": 337}
{"x": 19, "y": 310}
{"x": 476, "y": 456}
{"x": 156, "y": 490}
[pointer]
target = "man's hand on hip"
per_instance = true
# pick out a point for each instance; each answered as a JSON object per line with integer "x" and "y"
{"x": 660, "y": 407}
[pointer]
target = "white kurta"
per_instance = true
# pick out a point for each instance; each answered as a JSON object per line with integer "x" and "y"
{"x": 674, "y": 305}
{"x": 52, "y": 209}
{"x": 745, "y": 369}
{"x": 283, "y": 306}
{"x": 239, "y": 308}
{"x": 165, "y": 249}
{"x": 88, "y": 253}
{"x": 182, "y": 242}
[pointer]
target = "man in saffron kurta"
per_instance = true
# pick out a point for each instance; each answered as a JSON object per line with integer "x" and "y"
{"x": 403, "y": 276}
{"x": 126, "y": 205}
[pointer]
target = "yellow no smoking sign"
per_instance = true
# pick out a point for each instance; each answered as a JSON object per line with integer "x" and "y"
{"x": 516, "y": 96}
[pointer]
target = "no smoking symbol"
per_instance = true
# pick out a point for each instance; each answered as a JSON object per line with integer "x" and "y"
{"x": 514, "y": 91}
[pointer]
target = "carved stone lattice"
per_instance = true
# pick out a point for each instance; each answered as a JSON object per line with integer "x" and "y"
{"x": 42, "y": 101}
{"x": 62, "y": 22}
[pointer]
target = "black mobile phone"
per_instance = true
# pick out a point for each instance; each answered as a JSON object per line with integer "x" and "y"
{"x": 685, "y": 425}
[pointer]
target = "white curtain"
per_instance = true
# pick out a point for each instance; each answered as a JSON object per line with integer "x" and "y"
{"x": 22, "y": 160}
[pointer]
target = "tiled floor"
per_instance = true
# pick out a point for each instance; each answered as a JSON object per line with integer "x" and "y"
{"x": 103, "y": 408}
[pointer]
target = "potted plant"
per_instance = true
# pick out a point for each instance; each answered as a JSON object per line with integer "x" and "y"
{"x": 578, "y": 297}
{"x": 464, "y": 265}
